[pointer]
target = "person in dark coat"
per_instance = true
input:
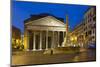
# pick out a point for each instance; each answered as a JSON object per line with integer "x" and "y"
{"x": 51, "y": 52}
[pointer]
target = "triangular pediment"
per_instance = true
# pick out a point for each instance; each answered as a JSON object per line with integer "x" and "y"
{"x": 47, "y": 21}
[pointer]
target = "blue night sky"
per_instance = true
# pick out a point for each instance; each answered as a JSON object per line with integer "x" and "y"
{"x": 23, "y": 10}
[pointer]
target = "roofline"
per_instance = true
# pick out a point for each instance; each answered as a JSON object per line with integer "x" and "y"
{"x": 44, "y": 17}
{"x": 89, "y": 9}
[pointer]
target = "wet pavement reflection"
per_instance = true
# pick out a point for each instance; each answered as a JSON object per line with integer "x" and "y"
{"x": 88, "y": 55}
{"x": 32, "y": 58}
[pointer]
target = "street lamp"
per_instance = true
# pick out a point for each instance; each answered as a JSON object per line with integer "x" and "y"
{"x": 73, "y": 40}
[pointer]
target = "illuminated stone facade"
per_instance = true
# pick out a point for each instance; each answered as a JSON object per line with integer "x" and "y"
{"x": 84, "y": 34}
{"x": 16, "y": 37}
{"x": 43, "y": 33}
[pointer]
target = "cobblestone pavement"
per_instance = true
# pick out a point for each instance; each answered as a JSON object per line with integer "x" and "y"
{"x": 27, "y": 58}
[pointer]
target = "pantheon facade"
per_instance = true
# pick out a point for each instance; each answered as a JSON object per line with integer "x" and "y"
{"x": 43, "y": 32}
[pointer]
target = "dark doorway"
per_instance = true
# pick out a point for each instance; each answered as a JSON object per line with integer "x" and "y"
{"x": 61, "y": 38}
{"x": 30, "y": 41}
{"x": 37, "y": 41}
{"x": 49, "y": 42}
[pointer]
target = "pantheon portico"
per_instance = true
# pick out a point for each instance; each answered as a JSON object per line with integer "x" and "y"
{"x": 43, "y": 33}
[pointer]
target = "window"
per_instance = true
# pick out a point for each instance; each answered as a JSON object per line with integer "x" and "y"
{"x": 89, "y": 32}
{"x": 94, "y": 18}
{"x": 86, "y": 34}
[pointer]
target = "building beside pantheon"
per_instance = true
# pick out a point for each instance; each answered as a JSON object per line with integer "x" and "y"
{"x": 16, "y": 37}
{"x": 85, "y": 32}
{"x": 43, "y": 32}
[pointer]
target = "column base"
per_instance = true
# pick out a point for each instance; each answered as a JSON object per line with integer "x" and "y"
{"x": 40, "y": 49}
{"x": 46, "y": 49}
{"x": 59, "y": 46}
{"x": 34, "y": 50}
{"x": 37, "y": 50}
{"x": 63, "y": 45}
{"x": 27, "y": 50}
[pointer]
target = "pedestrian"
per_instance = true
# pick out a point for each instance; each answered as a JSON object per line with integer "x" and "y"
{"x": 51, "y": 52}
